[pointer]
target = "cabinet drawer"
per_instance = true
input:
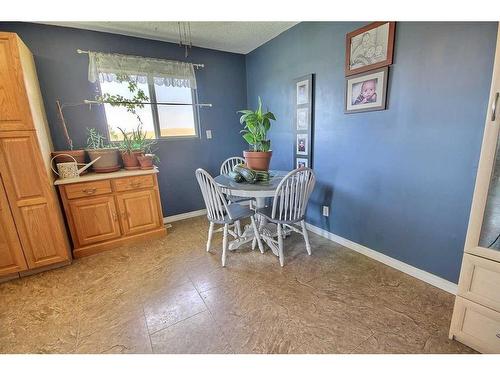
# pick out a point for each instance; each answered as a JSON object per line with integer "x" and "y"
{"x": 480, "y": 281}
{"x": 88, "y": 189}
{"x": 476, "y": 326}
{"x": 132, "y": 183}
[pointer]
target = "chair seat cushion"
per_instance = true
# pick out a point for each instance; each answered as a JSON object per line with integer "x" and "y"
{"x": 268, "y": 211}
{"x": 236, "y": 212}
{"x": 235, "y": 199}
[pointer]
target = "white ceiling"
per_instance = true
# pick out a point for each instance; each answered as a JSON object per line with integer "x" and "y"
{"x": 238, "y": 37}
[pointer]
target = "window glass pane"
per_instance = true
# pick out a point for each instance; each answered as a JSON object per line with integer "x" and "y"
{"x": 119, "y": 117}
{"x": 175, "y": 120}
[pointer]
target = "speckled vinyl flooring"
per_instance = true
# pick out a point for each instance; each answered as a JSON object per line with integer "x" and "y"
{"x": 170, "y": 296}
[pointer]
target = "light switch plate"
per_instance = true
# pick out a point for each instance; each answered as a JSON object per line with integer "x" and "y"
{"x": 209, "y": 134}
{"x": 326, "y": 211}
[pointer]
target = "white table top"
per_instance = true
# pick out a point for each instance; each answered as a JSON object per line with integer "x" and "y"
{"x": 92, "y": 176}
{"x": 257, "y": 190}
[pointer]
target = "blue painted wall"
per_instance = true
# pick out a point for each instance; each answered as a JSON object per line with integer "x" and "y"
{"x": 399, "y": 181}
{"x": 63, "y": 75}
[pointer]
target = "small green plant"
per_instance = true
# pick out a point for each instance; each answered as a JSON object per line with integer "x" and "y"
{"x": 257, "y": 124}
{"x": 137, "y": 140}
{"x": 96, "y": 140}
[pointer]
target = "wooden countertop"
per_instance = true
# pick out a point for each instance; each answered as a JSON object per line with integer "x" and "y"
{"x": 92, "y": 176}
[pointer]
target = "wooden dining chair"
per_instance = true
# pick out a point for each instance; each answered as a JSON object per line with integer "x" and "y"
{"x": 219, "y": 211}
{"x": 289, "y": 206}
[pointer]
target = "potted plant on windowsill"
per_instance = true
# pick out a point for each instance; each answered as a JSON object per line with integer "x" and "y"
{"x": 97, "y": 146}
{"x": 257, "y": 124}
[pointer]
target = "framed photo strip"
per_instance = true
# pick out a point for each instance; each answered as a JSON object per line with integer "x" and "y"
{"x": 303, "y": 121}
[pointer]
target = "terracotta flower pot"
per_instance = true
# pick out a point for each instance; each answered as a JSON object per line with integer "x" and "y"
{"x": 109, "y": 161}
{"x": 146, "y": 161}
{"x": 79, "y": 156}
{"x": 130, "y": 160}
{"x": 258, "y": 160}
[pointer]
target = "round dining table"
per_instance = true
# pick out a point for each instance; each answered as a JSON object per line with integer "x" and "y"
{"x": 260, "y": 191}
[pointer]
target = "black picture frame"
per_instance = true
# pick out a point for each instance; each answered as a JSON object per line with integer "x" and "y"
{"x": 303, "y": 114}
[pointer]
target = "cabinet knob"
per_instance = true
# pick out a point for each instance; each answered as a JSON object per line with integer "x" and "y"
{"x": 89, "y": 191}
{"x": 135, "y": 184}
{"x": 115, "y": 216}
{"x": 124, "y": 215}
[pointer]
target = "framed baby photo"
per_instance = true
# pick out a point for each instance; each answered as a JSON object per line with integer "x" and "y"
{"x": 303, "y": 92}
{"x": 366, "y": 92}
{"x": 370, "y": 47}
{"x": 303, "y": 119}
{"x": 301, "y": 163}
{"x": 302, "y": 145}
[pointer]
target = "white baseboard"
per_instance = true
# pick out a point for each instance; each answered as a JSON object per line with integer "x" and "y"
{"x": 187, "y": 215}
{"x": 429, "y": 278}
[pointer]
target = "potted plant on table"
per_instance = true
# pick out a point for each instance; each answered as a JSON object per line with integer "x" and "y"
{"x": 98, "y": 146}
{"x": 257, "y": 125}
{"x": 130, "y": 149}
{"x": 136, "y": 149}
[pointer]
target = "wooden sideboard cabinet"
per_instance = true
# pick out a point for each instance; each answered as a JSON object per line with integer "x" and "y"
{"x": 107, "y": 210}
{"x": 32, "y": 233}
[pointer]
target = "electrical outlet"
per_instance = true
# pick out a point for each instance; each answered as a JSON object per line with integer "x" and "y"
{"x": 209, "y": 134}
{"x": 326, "y": 211}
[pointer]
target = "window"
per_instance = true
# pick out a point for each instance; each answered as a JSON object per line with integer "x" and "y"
{"x": 159, "y": 120}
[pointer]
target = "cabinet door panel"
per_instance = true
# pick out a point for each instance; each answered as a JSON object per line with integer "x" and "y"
{"x": 32, "y": 200}
{"x": 138, "y": 211}
{"x": 14, "y": 105}
{"x": 11, "y": 254}
{"x": 27, "y": 176}
{"x": 95, "y": 219}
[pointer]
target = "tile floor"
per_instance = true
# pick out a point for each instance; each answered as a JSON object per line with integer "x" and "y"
{"x": 170, "y": 296}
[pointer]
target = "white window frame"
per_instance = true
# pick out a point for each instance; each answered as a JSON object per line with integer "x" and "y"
{"x": 156, "y": 117}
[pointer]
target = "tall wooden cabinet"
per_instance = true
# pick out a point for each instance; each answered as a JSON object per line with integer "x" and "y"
{"x": 476, "y": 316}
{"x": 33, "y": 233}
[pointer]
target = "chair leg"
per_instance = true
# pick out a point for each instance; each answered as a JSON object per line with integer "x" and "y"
{"x": 257, "y": 234}
{"x": 224, "y": 245}
{"x": 280, "y": 246}
{"x": 238, "y": 228}
{"x": 210, "y": 233}
{"x": 306, "y": 236}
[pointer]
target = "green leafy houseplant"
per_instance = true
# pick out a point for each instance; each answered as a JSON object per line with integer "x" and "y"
{"x": 136, "y": 140}
{"x": 95, "y": 140}
{"x": 136, "y": 146}
{"x": 99, "y": 147}
{"x": 257, "y": 124}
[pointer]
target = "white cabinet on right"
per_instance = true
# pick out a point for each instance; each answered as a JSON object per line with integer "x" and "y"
{"x": 476, "y": 316}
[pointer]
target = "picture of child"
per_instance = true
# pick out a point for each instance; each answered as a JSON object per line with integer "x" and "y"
{"x": 302, "y": 145}
{"x": 301, "y": 163}
{"x": 367, "y": 93}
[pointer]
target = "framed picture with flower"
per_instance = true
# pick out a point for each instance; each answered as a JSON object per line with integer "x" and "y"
{"x": 369, "y": 47}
